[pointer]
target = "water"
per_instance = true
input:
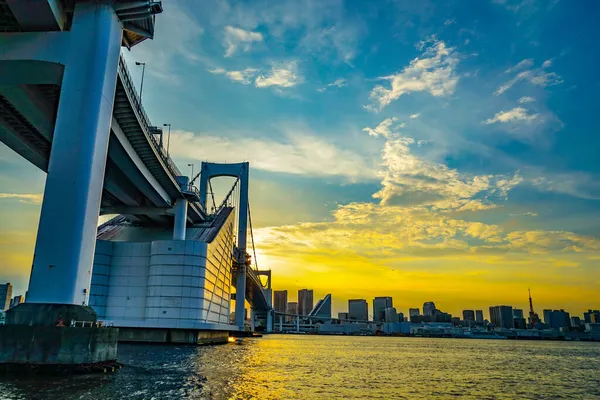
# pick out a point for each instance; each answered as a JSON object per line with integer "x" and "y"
{"x": 334, "y": 367}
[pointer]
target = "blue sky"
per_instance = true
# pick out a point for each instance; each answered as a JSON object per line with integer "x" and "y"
{"x": 442, "y": 141}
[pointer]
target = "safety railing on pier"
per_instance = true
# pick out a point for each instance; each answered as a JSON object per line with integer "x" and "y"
{"x": 144, "y": 120}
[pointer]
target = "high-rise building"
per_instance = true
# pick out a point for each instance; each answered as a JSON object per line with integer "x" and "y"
{"x": 305, "y": 301}
{"x": 502, "y": 316}
{"x": 428, "y": 308}
{"x": 391, "y": 315}
{"x": 517, "y": 313}
{"x": 358, "y": 309}
{"x": 343, "y": 315}
{"x": 281, "y": 300}
{"x": 560, "y": 319}
{"x": 575, "y": 322}
{"x": 468, "y": 315}
{"x": 323, "y": 308}
{"x": 547, "y": 315}
{"x": 413, "y": 312}
{"x": 5, "y": 295}
{"x": 292, "y": 308}
{"x": 591, "y": 316}
{"x": 479, "y": 316}
{"x": 380, "y": 304}
{"x": 16, "y": 301}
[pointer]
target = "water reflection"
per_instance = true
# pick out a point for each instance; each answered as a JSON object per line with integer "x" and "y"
{"x": 318, "y": 367}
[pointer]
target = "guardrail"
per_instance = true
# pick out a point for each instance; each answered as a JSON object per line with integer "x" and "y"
{"x": 144, "y": 120}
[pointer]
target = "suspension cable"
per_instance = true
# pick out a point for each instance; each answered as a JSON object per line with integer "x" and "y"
{"x": 212, "y": 194}
{"x": 252, "y": 237}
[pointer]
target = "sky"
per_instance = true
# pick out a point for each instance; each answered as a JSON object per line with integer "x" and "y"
{"x": 428, "y": 151}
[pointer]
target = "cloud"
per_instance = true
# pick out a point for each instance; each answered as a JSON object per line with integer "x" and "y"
{"x": 23, "y": 198}
{"x": 526, "y": 99}
{"x": 297, "y": 152}
{"x": 282, "y": 75}
{"x": 547, "y": 64}
{"x": 432, "y": 72}
{"x": 245, "y": 77}
{"x": 337, "y": 83}
{"x": 385, "y": 128}
{"x": 413, "y": 116}
{"x": 535, "y": 76}
{"x": 239, "y": 38}
{"x": 517, "y": 114}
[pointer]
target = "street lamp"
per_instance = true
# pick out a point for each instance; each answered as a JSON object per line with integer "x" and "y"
{"x": 143, "y": 71}
{"x": 191, "y": 165}
{"x": 168, "y": 138}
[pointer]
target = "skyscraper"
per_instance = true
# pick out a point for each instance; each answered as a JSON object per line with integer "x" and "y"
{"x": 468, "y": 315}
{"x": 391, "y": 315}
{"x": 281, "y": 300}
{"x": 479, "y": 316}
{"x": 305, "y": 301}
{"x": 16, "y": 301}
{"x": 413, "y": 312}
{"x": 343, "y": 315}
{"x": 560, "y": 319}
{"x": 517, "y": 313}
{"x": 547, "y": 316}
{"x": 502, "y": 316}
{"x": 428, "y": 308}
{"x": 292, "y": 308}
{"x": 5, "y": 295}
{"x": 358, "y": 309}
{"x": 380, "y": 304}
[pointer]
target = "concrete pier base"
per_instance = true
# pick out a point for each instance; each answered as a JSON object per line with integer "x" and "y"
{"x": 179, "y": 336}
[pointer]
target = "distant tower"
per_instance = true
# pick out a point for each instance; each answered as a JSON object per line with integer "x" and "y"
{"x": 533, "y": 317}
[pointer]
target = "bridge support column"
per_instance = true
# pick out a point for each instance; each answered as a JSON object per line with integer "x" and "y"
{"x": 270, "y": 321}
{"x": 252, "y": 320}
{"x": 280, "y": 323}
{"x": 297, "y": 323}
{"x": 64, "y": 250}
{"x": 181, "y": 207}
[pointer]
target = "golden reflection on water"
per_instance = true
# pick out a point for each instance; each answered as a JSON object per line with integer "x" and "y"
{"x": 335, "y": 367}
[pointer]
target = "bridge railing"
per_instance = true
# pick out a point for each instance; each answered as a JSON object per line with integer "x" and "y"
{"x": 144, "y": 120}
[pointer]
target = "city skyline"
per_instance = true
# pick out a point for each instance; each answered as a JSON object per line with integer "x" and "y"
{"x": 418, "y": 150}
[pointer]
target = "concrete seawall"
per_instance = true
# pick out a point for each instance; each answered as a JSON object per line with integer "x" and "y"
{"x": 53, "y": 345}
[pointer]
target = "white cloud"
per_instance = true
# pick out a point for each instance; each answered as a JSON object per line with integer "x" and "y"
{"x": 413, "y": 116}
{"x": 298, "y": 152}
{"x": 337, "y": 83}
{"x": 517, "y": 114}
{"x": 432, "y": 72}
{"x": 547, "y": 64}
{"x": 527, "y": 63}
{"x": 384, "y": 129}
{"x": 239, "y": 38}
{"x": 526, "y": 99}
{"x": 23, "y": 198}
{"x": 535, "y": 76}
{"x": 245, "y": 77}
{"x": 282, "y": 75}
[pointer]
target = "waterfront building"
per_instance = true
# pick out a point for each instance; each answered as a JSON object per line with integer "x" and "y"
{"x": 575, "y": 322}
{"x": 323, "y": 308}
{"x": 16, "y": 301}
{"x": 591, "y": 317}
{"x": 343, "y": 315}
{"x": 391, "y": 315}
{"x": 358, "y": 309}
{"x": 5, "y": 296}
{"x": 428, "y": 308}
{"x": 380, "y": 304}
{"x": 479, "y": 316}
{"x": 468, "y": 316}
{"x": 519, "y": 323}
{"x": 292, "y": 308}
{"x": 560, "y": 319}
{"x": 440, "y": 316}
{"x": 305, "y": 301}
{"x": 502, "y": 316}
{"x": 413, "y": 312}
{"x": 281, "y": 300}
{"x": 547, "y": 314}
{"x": 517, "y": 313}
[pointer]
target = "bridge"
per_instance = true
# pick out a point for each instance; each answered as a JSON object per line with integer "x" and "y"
{"x": 69, "y": 107}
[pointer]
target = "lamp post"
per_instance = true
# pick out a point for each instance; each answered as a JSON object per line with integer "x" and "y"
{"x": 143, "y": 71}
{"x": 168, "y": 138}
{"x": 191, "y": 165}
